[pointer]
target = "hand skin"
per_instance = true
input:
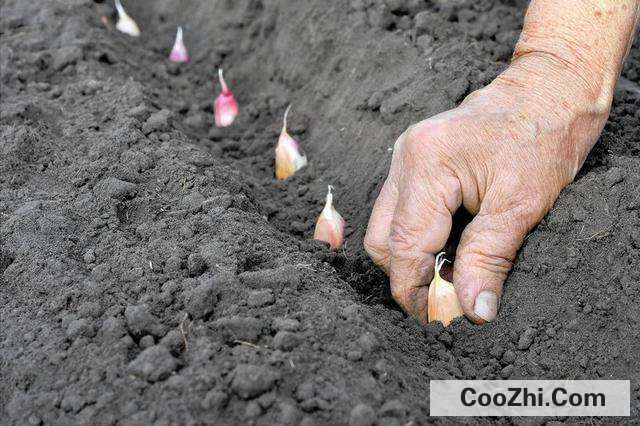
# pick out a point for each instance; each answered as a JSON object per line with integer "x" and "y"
{"x": 504, "y": 154}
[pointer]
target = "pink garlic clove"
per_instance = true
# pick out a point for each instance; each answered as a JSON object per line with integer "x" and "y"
{"x": 105, "y": 21}
{"x": 330, "y": 225}
{"x": 179, "y": 52}
{"x": 289, "y": 159}
{"x": 225, "y": 107}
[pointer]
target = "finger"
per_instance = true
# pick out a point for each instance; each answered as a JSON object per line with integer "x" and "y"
{"x": 419, "y": 230}
{"x": 376, "y": 240}
{"x": 484, "y": 258}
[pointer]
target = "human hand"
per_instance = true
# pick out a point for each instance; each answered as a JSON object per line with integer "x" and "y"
{"x": 504, "y": 154}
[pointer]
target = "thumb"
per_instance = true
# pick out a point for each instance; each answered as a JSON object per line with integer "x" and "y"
{"x": 484, "y": 257}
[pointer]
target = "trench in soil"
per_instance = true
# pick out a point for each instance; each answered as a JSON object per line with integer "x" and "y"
{"x": 357, "y": 75}
{"x": 342, "y": 151}
{"x": 248, "y": 145}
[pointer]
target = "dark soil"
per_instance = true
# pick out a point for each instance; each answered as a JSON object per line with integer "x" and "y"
{"x": 152, "y": 270}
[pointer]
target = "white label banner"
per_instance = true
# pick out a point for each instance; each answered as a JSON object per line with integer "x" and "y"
{"x": 530, "y": 398}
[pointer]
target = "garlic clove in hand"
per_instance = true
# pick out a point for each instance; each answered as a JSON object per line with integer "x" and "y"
{"x": 443, "y": 304}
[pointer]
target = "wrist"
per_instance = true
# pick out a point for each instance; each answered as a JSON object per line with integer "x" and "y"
{"x": 559, "y": 85}
{"x": 562, "y": 113}
{"x": 584, "y": 43}
{"x": 559, "y": 93}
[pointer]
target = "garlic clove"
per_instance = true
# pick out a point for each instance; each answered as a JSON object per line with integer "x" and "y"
{"x": 330, "y": 225}
{"x": 225, "y": 107}
{"x": 105, "y": 21}
{"x": 443, "y": 304}
{"x": 289, "y": 159}
{"x": 179, "y": 51}
{"x": 125, "y": 23}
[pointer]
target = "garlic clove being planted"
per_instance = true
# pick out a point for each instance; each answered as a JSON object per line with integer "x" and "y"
{"x": 443, "y": 303}
{"x": 330, "y": 225}
{"x": 289, "y": 159}
{"x": 179, "y": 51}
{"x": 225, "y": 107}
{"x": 125, "y": 23}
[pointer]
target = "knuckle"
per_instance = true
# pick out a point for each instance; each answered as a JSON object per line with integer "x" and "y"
{"x": 376, "y": 251}
{"x": 412, "y": 131}
{"x": 402, "y": 241}
{"x": 432, "y": 146}
{"x": 491, "y": 249}
{"x": 538, "y": 201}
{"x": 476, "y": 256}
{"x": 422, "y": 139}
{"x": 522, "y": 209}
{"x": 399, "y": 294}
{"x": 369, "y": 244}
{"x": 446, "y": 191}
{"x": 415, "y": 143}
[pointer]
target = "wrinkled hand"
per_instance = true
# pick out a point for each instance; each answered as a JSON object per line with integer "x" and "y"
{"x": 504, "y": 155}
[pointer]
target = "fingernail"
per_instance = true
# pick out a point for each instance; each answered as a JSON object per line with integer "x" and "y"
{"x": 486, "y": 306}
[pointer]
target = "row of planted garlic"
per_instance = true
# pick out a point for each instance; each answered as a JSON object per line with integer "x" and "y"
{"x": 443, "y": 305}
{"x": 288, "y": 157}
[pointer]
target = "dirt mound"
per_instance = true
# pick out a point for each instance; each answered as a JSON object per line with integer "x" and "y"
{"x": 153, "y": 271}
